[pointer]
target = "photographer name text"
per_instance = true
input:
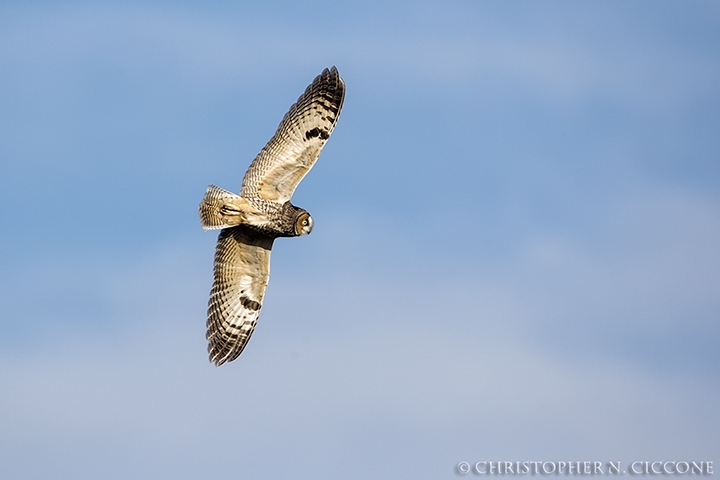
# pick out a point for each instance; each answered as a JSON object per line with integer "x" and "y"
{"x": 644, "y": 467}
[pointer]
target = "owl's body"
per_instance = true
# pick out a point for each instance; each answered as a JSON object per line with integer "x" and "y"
{"x": 262, "y": 212}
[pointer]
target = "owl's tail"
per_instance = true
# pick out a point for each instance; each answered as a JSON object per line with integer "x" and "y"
{"x": 222, "y": 209}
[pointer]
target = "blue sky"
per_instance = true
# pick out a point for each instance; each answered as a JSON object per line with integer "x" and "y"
{"x": 515, "y": 254}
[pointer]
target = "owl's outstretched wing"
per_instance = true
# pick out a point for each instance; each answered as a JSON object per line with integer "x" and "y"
{"x": 293, "y": 150}
{"x": 242, "y": 269}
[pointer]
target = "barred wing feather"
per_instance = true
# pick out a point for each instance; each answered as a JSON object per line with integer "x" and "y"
{"x": 293, "y": 150}
{"x": 242, "y": 269}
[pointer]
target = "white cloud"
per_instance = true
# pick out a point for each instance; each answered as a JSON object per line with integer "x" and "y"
{"x": 347, "y": 366}
{"x": 315, "y": 398}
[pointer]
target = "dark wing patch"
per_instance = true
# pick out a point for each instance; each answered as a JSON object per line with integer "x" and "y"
{"x": 316, "y": 132}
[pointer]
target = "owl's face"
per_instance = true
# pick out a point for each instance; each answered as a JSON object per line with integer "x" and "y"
{"x": 303, "y": 224}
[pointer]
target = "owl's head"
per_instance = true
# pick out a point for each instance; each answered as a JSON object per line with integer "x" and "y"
{"x": 303, "y": 223}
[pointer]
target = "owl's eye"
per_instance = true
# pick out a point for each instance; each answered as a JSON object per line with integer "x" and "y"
{"x": 303, "y": 224}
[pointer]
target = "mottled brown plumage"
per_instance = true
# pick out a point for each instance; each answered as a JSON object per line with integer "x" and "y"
{"x": 262, "y": 212}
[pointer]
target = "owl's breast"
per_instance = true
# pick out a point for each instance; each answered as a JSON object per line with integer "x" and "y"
{"x": 279, "y": 218}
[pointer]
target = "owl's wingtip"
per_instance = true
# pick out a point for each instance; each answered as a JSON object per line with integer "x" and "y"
{"x": 214, "y": 359}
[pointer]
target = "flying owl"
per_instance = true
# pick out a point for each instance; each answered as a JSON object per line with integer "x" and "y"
{"x": 251, "y": 221}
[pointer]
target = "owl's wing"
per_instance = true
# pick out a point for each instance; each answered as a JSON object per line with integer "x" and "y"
{"x": 293, "y": 150}
{"x": 242, "y": 269}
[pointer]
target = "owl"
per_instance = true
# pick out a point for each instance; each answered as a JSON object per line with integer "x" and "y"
{"x": 251, "y": 221}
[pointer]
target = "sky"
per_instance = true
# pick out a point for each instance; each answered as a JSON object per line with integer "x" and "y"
{"x": 515, "y": 253}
